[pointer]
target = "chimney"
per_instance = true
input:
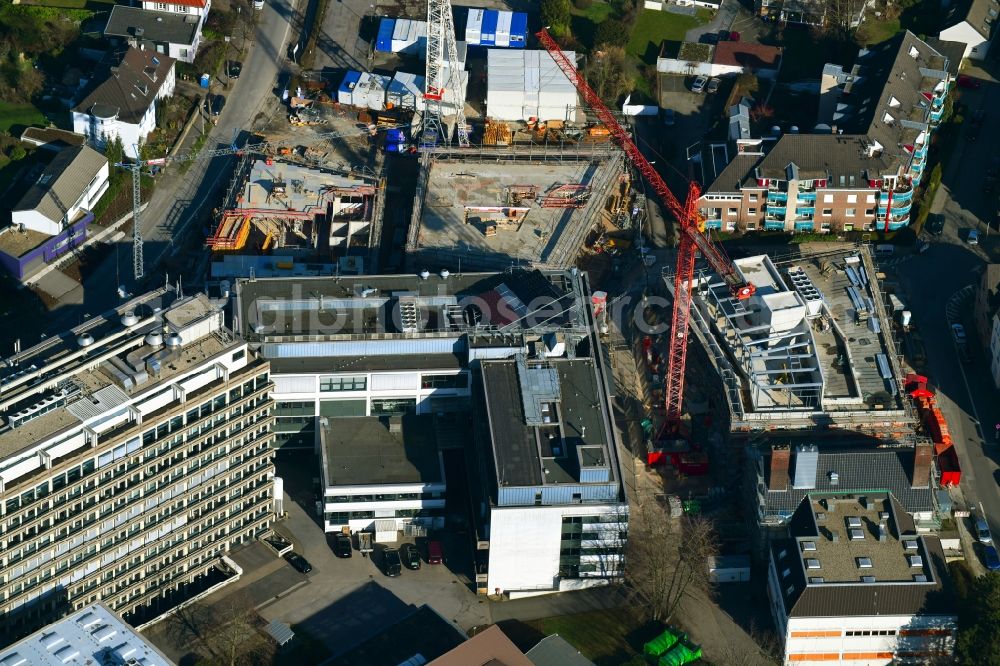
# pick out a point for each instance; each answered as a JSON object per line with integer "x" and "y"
{"x": 781, "y": 456}
{"x": 922, "y": 453}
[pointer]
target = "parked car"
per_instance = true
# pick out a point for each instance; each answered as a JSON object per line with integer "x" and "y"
{"x": 935, "y": 224}
{"x": 990, "y": 558}
{"x": 298, "y": 562}
{"x": 342, "y": 545}
{"x": 392, "y": 566}
{"x": 734, "y": 36}
{"x": 723, "y": 35}
{"x": 983, "y": 531}
{"x": 234, "y": 70}
{"x": 713, "y": 85}
{"x": 668, "y": 117}
{"x": 965, "y": 81}
{"x": 215, "y": 104}
{"x": 958, "y": 331}
{"x": 435, "y": 552}
{"x": 411, "y": 556}
{"x": 973, "y": 237}
{"x": 699, "y": 84}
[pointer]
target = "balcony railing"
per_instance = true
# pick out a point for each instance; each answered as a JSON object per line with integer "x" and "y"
{"x": 807, "y": 196}
{"x": 804, "y": 225}
{"x": 774, "y": 225}
{"x": 778, "y": 197}
{"x": 806, "y": 210}
{"x": 777, "y": 210}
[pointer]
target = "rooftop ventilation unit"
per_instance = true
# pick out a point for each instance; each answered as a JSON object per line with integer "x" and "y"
{"x": 834, "y": 478}
{"x": 424, "y": 274}
{"x": 129, "y": 319}
{"x": 409, "y": 314}
{"x": 445, "y": 273}
{"x": 85, "y": 340}
{"x": 154, "y": 338}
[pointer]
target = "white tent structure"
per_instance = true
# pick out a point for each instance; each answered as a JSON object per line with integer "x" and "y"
{"x": 528, "y": 84}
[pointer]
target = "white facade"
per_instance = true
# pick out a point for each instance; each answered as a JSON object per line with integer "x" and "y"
{"x": 99, "y": 130}
{"x": 866, "y": 640}
{"x": 658, "y": 5}
{"x": 976, "y": 46}
{"x": 526, "y": 544}
{"x": 193, "y": 7}
{"x": 35, "y": 220}
{"x": 358, "y": 507}
{"x": 528, "y": 84}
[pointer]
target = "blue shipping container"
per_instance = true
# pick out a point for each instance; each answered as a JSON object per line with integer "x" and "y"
{"x": 350, "y": 80}
{"x": 489, "y": 31}
{"x": 518, "y": 30}
{"x": 395, "y": 147}
{"x": 395, "y": 136}
{"x": 383, "y": 42}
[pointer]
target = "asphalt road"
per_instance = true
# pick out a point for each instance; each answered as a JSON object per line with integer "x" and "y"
{"x": 181, "y": 199}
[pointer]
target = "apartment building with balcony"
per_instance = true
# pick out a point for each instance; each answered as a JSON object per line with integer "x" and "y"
{"x": 858, "y": 170}
{"x": 134, "y": 453}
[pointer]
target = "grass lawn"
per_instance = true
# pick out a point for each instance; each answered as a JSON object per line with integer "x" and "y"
{"x": 653, "y": 27}
{"x": 875, "y": 31}
{"x": 12, "y": 115}
{"x": 584, "y": 22}
{"x": 608, "y": 637}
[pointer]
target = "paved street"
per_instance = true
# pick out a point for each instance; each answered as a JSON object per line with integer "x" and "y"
{"x": 182, "y": 199}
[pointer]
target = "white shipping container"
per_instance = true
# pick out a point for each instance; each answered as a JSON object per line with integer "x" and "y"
{"x": 526, "y": 84}
{"x": 503, "y": 29}
{"x": 359, "y": 96}
{"x": 377, "y": 85}
{"x": 406, "y": 91}
{"x": 474, "y": 27}
{"x": 409, "y": 36}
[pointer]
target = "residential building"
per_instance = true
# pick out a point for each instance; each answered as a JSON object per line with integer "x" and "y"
{"x": 660, "y": 5}
{"x": 722, "y": 59}
{"x": 971, "y": 22}
{"x": 813, "y": 12}
{"x": 190, "y": 7}
{"x": 556, "y": 515}
{"x": 92, "y": 635}
{"x": 134, "y": 453}
{"x": 781, "y": 476}
{"x": 172, "y": 34}
{"x": 859, "y": 170}
{"x": 122, "y": 101}
{"x": 490, "y": 646}
{"x": 53, "y": 216}
{"x": 854, "y": 583}
{"x": 554, "y": 650}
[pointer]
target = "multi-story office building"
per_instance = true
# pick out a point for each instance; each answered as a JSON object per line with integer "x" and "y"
{"x": 134, "y": 452}
{"x": 388, "y": 365}
{"x": 860, "y": 167}
{"x": 855, "y": 584}
{"x": 556, "y": 516}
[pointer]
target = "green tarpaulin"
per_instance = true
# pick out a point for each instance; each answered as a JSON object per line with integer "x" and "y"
{"x": 661, "y": 643}
{"x": 681, "y": 654}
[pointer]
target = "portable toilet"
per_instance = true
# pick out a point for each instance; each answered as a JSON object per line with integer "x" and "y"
{"x": 204, "y": 80}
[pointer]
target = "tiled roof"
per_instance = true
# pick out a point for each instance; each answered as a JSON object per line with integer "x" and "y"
{"x": 738, "y": 174}
{"x": 747, "y": 54}
{"x": 857, "y": 470}
{"x": 152, "y": 26}
{"x": 129, "y": 88}
{"x": 823, "y": 156}
{"x": 63, "y": 181}
{"x": 860, "y": 599}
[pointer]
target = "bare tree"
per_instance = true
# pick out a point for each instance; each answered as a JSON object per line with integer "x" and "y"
{"x": 667, "y": 558}
{"x": 608, "y": 73}
{"x": 768, "y": 653}
{"x": 227, "y": 633}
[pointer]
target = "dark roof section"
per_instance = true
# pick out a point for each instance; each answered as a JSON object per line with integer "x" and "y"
{"x": 128, "y": 89}
{"x": 953, "y": 51}
{"x": 859, "y": 599}
{"x": 516, "y": 444}
{"x": 62, "y": 183}
{"x": 980, "y": 14}
{"x": 423, "y": 632}
{"x": 822, "y": 156}
{"x": 52, "y": 138}
{"x": 366, "y": 450}
{"x": 368, "y": 363}
{"x": 857, "y": 470}
{"x": 150, "y": 26}
{"x": 739, "y": 173}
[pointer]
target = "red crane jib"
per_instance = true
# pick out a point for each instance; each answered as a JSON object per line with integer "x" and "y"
{"x": 692, "y": 239}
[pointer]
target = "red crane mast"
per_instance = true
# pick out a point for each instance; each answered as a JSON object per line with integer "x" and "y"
{"x": 692, "y": 238}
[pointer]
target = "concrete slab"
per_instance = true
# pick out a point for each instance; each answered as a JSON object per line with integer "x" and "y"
{"x": 454, "y": 223}
{"x": 61, "y": 287}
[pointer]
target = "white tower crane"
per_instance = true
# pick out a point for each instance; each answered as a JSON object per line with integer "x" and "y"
{"x": 443, "y": 74}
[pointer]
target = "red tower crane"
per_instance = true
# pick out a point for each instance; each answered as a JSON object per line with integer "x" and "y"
{"x": 692, "y": 238}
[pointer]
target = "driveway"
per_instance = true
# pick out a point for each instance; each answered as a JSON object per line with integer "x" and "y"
{"x": 339, "y": 45}
{"x": 723, "y": 20}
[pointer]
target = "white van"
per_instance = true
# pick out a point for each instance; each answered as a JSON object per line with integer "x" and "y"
{"x": 258, "y": 5}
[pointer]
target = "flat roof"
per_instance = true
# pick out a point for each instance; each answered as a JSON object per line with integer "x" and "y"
{"x": 93, "y": 635}
{"x": 372, "y": 450}
{"x": 403, "y": 305}
{"x": 570, "y": 430}
{"x": 15, "y": 242}
{"x": 423, "y": 632}
{"x": 53, "y": 386}
{"x": 454, "y": 223}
